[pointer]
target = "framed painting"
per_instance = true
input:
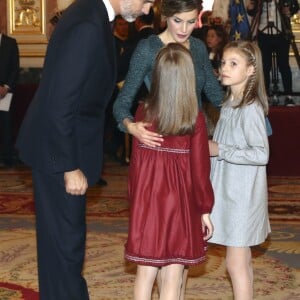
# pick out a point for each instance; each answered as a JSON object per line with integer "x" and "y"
{"x": 26, "y": 21}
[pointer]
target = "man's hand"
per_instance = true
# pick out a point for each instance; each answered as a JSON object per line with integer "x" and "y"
{"x": 75, "y": 182}
{"x": 145, "y": 136}
{"x": 3, "y": 91}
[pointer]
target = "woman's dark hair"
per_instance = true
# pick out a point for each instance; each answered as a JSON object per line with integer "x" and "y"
{"x": 169, "y": 8}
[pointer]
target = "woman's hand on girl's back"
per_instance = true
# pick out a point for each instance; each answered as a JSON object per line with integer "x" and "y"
{"x": 147, "y": 137}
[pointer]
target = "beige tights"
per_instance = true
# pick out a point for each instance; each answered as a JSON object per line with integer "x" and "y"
{"x": 170, "y": 281}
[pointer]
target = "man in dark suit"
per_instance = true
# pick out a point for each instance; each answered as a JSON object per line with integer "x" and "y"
{"x": 62, "y": 134}
{"x": 125, "y": 48}
{"x": 144, "y": 28}
{"x": 9, "y": 72}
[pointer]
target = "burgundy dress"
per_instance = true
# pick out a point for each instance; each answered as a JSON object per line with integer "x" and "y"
{"x": 169, "y": 189}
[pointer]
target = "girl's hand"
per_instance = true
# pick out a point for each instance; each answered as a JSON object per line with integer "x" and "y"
{"x": 207, "y": 226}
{"x": 145, "y": 136}
{"x": 213, "y": 148}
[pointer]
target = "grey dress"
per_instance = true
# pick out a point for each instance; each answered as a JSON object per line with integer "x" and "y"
{"x": 141, "y": 67}
{"x": 238, "y": 175}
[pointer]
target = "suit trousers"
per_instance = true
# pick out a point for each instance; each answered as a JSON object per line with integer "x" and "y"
{"x": 6, "y": 137}
{"x": 279, "y": 44}
{"x": 61, "y": 235}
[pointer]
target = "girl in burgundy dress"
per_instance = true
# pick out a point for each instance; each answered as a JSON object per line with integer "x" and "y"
{"x": 170, "y": 192}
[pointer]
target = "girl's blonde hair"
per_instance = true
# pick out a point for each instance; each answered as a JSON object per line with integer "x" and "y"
{"x": 172, "y": 101}
{"x": 255, "y": 86}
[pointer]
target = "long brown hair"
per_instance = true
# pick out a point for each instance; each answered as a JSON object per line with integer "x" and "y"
{"x": 172, "y": 101}
{"x": 255, "y": 86}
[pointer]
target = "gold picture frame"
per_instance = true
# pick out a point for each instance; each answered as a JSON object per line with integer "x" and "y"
{"x": 26, "y": 21}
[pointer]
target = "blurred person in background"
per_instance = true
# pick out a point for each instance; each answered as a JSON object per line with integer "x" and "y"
{"x": 9, "y": 73}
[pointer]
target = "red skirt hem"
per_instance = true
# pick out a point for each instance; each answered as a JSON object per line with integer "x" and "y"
{"x": 160, "y": 262}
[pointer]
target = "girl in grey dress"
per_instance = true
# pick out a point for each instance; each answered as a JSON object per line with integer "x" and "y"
{"x": 240, "y": 153}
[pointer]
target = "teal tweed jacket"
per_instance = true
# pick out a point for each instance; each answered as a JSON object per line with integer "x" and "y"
{"x": 141, "y": 67}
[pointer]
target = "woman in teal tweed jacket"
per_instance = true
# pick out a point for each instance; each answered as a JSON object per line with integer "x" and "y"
{"x": 181, "y": 17}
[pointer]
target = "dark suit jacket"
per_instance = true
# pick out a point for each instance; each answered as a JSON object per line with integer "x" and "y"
{"x": 144, "y": 33}
{"x": 63, "y": 128}
{"x": 129, "y": 47}
{"x": 9, "y": 62}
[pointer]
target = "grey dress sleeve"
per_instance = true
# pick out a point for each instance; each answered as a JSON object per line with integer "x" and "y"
{"x": 254, "y": 146}
{"x": 140, "y": 66}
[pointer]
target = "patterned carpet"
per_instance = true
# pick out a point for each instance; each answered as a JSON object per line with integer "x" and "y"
{"x": 276, "y": 263}
{"x": 110, "y": 201}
